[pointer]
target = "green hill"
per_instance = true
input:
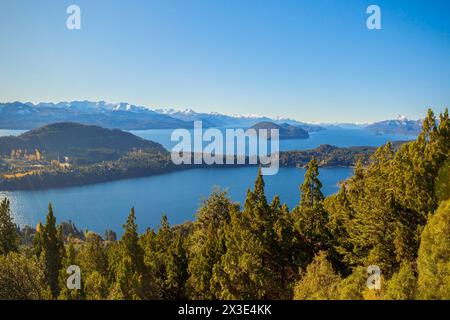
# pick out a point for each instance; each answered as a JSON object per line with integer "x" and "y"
{"x": 76, "y": 140}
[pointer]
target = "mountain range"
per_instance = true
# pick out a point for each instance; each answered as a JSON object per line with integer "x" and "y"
{"x": 215, "y": 119}
{"x": 24, "y": 116}
{"x": 401, "y": 125}
{"x": 125, "y": 116}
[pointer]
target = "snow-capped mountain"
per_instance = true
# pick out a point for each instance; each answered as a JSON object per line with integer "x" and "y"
{"x": 215, "y": 119}
{"x": 399, "y": 125}
{"x": 18, "y": 115}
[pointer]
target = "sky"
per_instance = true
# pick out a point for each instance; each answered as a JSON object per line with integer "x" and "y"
{"x": 309, "y": 60}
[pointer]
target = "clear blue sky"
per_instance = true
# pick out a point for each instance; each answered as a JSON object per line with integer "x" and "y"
{"x": 309, "y": 60}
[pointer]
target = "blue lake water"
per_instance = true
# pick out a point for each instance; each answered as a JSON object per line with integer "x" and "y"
{"x": 178, "y": 194}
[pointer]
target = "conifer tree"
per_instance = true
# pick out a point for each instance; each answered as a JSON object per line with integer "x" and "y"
{"x": 9, "y": 238}
{"x": 290, "y": 251}
{"x": 402, "y": 285}
{"x": 434, "y": 256}
{"x": 207, "y": 245}
{"x": 51, "y": 254}
{"x": 248, "y": 268}
{"x": 353, "y": 286}
{"x": 22, "y": 278}
{"x": 69, "y": 259}
{"x": 92, "y": 255}
{"x": 96, "y": 286}
{"x": 320, "y": 282}
{"x": 133, "y": 280}
{"x": 372, "y": 227}
{"x": 341, "y": 213}
{"x": 130, "y": 243}
{"x": 312, "y": 219}
{"x": 37, "y": 240}
{"x": 176, "y": 270}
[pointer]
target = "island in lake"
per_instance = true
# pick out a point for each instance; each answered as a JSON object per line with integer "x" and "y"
{"x": 285, "y": 130}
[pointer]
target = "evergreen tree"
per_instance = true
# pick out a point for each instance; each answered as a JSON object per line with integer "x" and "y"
{"x": 51, "y": 254}
{"x": 249, "y": 267}
{"x": 339, "y": 225}
{"x": 9, "y": 238}
{"x": 176, "y": 270}
{"x": 320, "y": 282}
{"x": 372, "y": 226}
{"x": 22, "y": 278}
{"x": 207, "y": 245}
{"x": 92, "y": 255}
{"x": 37, "y": 240}
{"x": 132, "y": 277}
{"x": 96, "y": 286}
{"x": 290, "y": 250}
{"x": 312, "y": 219}
{"x": 402, "y": 285}
{"x": 353, "y": 286}
{"x": 69, "y": 260}
{"x": 130, "y": 244}
{"x": 434, "y": 256}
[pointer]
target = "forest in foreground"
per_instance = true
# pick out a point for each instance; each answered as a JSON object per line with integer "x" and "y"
{"x": 394, "y": 213}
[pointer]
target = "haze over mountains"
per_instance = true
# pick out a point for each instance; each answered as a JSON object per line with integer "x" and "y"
{"x": 24, "y": 116}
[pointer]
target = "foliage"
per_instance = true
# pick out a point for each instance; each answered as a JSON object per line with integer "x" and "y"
{"x": 22, "y": 278}
{"x": 9, "y": 237}
{"x": 434, "y": 256}
{"x": 320, "y": 282}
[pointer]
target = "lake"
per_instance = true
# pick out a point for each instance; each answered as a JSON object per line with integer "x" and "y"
{"x": 177, "y": 194}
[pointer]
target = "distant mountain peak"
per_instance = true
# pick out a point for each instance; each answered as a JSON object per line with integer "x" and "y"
{"x": 401, "y": 117}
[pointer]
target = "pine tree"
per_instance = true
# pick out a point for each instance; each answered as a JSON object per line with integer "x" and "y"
{"x": 92, "y": 255}
{"x": 52, "y": 249}
{"x": 176, "y": 270}
{"x": 290, "y": 250}
{"x": 22, "y": 278}
{"x": 37, "y": 240}
{"x": 9, "y": 238}
{"x": 341, "y": 213}
{"x": 372, "y": 226}
{"x": 130, "y": 243}
{"x": 96, "y": 286}
{"x": 402, "y": 285}
{"x": 434, "y": 256}
{"x": 133, "y": 279}
{"x": 248, "y": 269}
{"x": 69, "y": 259}
{"x": 353, "y": 286}
{"x": 320, "y": 282}
{"x": 311, "y": 217}
{"x": 207, "y": 245}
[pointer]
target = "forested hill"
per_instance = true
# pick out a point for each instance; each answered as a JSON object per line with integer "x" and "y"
{"x": 67, "y": 137}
